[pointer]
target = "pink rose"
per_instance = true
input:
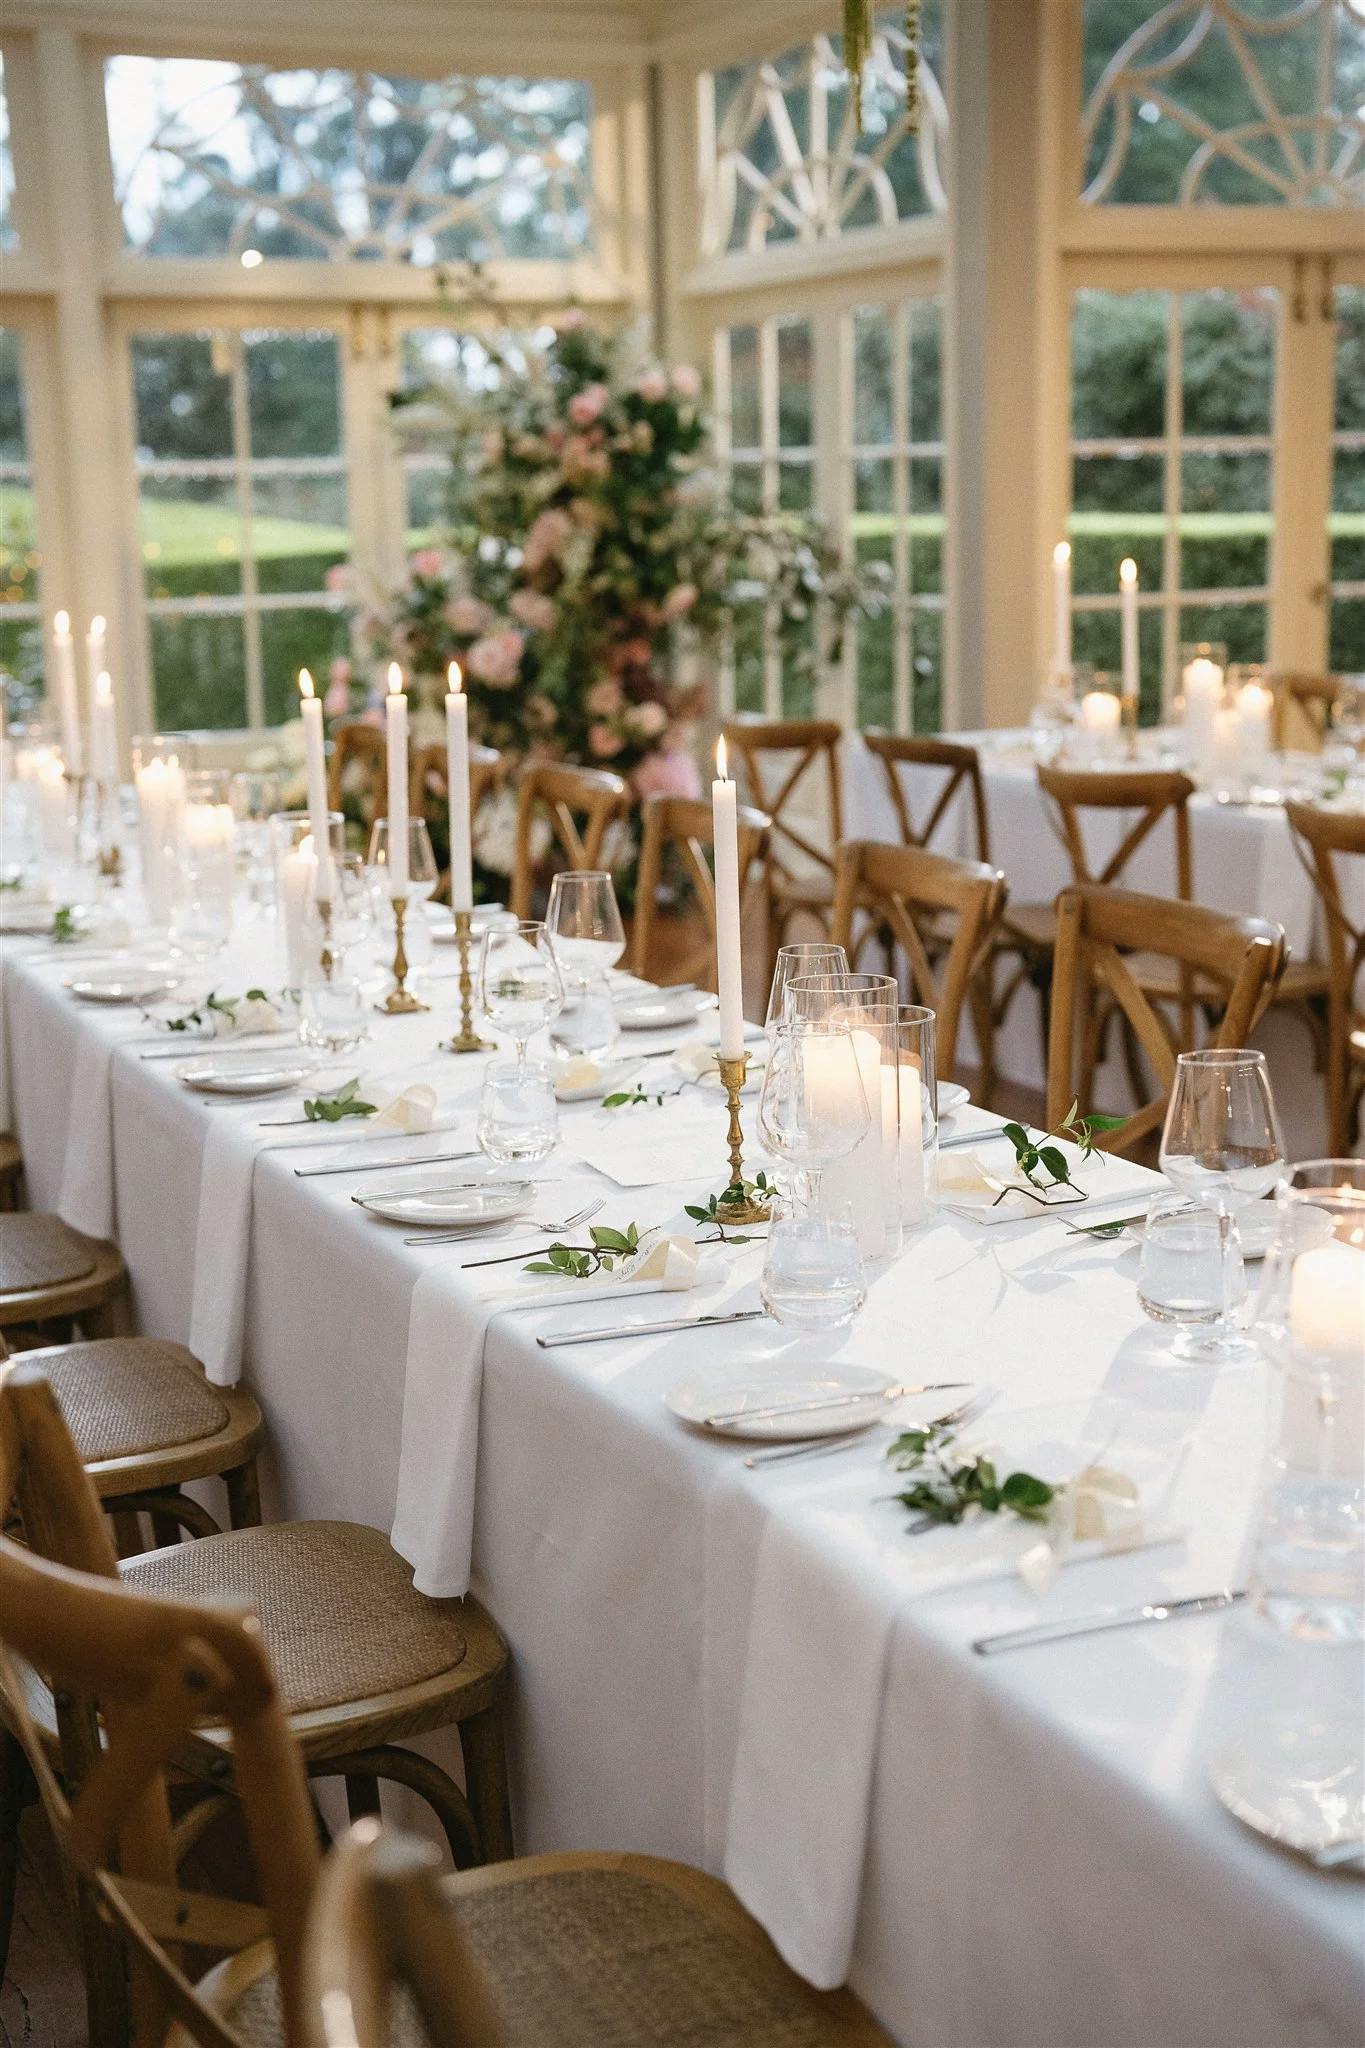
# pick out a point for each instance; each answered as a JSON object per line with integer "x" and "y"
{"x": 687, "y": 381}
{"x": 496, "y": 659}
{"x": 338, "y": 578}
{"x": 551, "y": 531}
{"x": 604, "y": 699}
{"x": 469, "y": 615}
{"x": 541, "y": 712}
{"x": 637, "y": 653}
{"x": 603, "y": 742}
{"x": 653, "y": 387}
{"x": 340, "y": 672}
{"x": 534, "y": 609}
{"x": 583, "y": 463}
{"x": 588, "y": 404}
{"x": 337, "y": 701}
{"x": 426, "y": 562}
{"x": 647, "y": 720}
{"x": 680, "y": 600}
{"x": 670, "y": 772}
{"x": 570, "y": 322}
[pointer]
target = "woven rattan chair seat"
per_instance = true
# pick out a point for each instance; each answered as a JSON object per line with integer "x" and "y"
{"x": 601, "y": 1959}
{"x": 124, "y": 1395}
{"x": 341, "y": 1618}
{"x": 40, "y": 1251}
{"x": 1033, "y": 923}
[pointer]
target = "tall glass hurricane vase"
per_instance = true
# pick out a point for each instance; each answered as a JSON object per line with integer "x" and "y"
{"x": 867, "y": 1178}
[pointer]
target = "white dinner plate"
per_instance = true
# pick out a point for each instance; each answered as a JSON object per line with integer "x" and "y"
{"x": 952, "y": 1097}
{"x": 712, "y": 1392}
{"x": 127, "y": 984}
{"x": 25, "y": 919}
{"x": 449, "y": 1205}
{"x": 659, "y": 1008}
{"x": 248, "y": 1073}
{"x": 1299, "y": 1781}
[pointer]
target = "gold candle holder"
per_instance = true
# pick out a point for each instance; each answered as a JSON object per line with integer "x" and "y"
{"x": 739, "y": 1207}
{"x": 466, "y": 1039}
{"x": 400, "y": 1002}
{"x": 326, "y": 957}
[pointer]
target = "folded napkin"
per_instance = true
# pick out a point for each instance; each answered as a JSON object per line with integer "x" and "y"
{"x": 989, "y": 1188}
{"x": 414, "y": 1109}
{"x": 433, "y": 1525}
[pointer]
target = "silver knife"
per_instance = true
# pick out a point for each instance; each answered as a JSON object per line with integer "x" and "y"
{"x": 977, "y": 1137}
{"x": 604, "y": 1335}
{"x": 382, "y": 1165}
{"x": 724, "y": 1415}
{"x": 217, "y": 1049}
{"x": 1098, "y": 1624}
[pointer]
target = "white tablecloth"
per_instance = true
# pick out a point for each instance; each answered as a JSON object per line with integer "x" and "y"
{"x": 1018, "y": 1852}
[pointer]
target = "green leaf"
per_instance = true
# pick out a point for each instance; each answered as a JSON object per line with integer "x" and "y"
{"x": 63, "y": 932}
{"x": 615, "y": 1101}
{"x": 1055, "y": 1162}
{"x": 607, "y": 1239}
{"x": 1022, "y": 1492}
{"x": 697, "y": 1214}
{"x": 1096, "y": 1122}
{"x": 1016, "y": 1134}
{"x": 540, "y": 1266}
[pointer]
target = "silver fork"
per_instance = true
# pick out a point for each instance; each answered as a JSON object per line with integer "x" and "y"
{"x": 530, "y": 1227}
{"x": 966, "y": 1411}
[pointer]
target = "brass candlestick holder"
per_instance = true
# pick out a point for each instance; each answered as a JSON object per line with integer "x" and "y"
{"x": 466, "y": 1039}
{"x": 400, "y": 1002}
{"x": 738, "y": 1207}
{"x": 326, "y": 957}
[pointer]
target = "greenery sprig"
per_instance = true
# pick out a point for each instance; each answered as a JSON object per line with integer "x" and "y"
{"x": 65, "y": 931}
{"x": 581, "y": 1261}
{"x": 630, "y": 1098}
{"x": 759, "y": 1190}
{"x": 944, "y": 1490}
{"x": 343, "y": 1102}
{"x": 212, "y": 1006}
{"x": 1031, "y": 1154}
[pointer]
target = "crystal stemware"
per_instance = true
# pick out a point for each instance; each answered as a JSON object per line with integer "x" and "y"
{"x": 520, "y": 984}
{"x": 808, "y": 957}
{"x": 1221, "y": 1144}
{"x": 813, "y": 1106}
{"x": 584, "y": 921}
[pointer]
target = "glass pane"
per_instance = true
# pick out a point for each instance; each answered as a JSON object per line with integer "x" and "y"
{"x": 293, "y": 393}
{"x": 926, "y": 556}
{"x": 1225, "y": 527}
{"x": 795, "y": 374}
{"x": 1120, "y": 483}
{"x": 199, "y": 671}
{"x": 21, "y": 655}
{"x": 190, "y": 531}
{"x": 443, "y": 355}
{"x": 1228, "y": 360}
{"x": 299, "y": 637}
{"x": 873, "y": 416}
{"x": 798, "y": 671}
{"x": 426, "y": 484}
{"x": 298, "y": 527}
{"x": 182, "y": 394}
{"x": 745, "y": 419}
{"x": 19, "y": 559}
{"x": 9, "y": 238}
{"x": 926, "y": 484}
{"x": 748, "y": 657}
{"x": 872, "y": 487}
{"x": 1119, "y": 346}
{"x": 1241, "y": 627}
{"x": 926, "y": 641}
{"x": 1101, "y": 540}
{"x": 746, "y": 486}
{"x": 795, "y": 486}
{"x": 215, "y": 159}
{"x": 1095, "y": 638}
{"x": 1349, "y": 411}
{"x": 926, "y": 370}
{"x": 1347, "y": 650}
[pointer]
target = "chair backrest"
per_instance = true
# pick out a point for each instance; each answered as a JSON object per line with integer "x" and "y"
{"x": 1243, "y": 957}
{"x": 378, "y": 1923}
{"x": 1303, "y": 708}
{"x": 903, "y": 887}
{"x": 962, "y": 768}
{"x": 685, "y": 823}
{"x": 775, "y": 756}
{"x": 1154, "y": 793}
{"x": 1324, "y": 837}
{"x": 131, "y": 1676}
{"x": 579, "y": 805}
{"x": 359, "y": 752}
{"x": 428, "y": 796}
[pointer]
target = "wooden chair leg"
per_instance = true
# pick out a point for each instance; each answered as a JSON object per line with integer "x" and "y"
{"x": 419, "y": 1775}
{"x": 485, "y": 1770}
{"x": 109, "y": 1319}
{"x": 244, "y": 1496}
{"x": 362, "y": 1794}
{"x": 17, "y": 1790}
{"x": 108, "y": 2019}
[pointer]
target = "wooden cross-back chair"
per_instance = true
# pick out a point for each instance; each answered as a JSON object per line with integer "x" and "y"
{"x": 905, "y": 888}
{"x": 775, "y": 757}
{"x": 1303, "y": 708}
{"x": 1322, "y": 839}
{"x": 1099, "y": 932}
{"x": 428, "y": 796}
{"x": 684, "y": 823}
{"x": 360, "y": 752}
{"x": 132, "y": 1676}
{"x": 962, "y": 770}
{"x": 579, "y": 804}
{"x": 625, "y": 1951}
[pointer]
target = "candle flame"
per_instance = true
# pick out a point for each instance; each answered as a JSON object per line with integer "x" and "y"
{"x": 61, "y": 623}
{"x": 99, "y": 625}
{"x": 1128, "y": 571}
{"x": 104, "y": 688}
{"x": 454, "y": 679}
{"x": 395, "y": 680}
{"x": 1062, "y": 552}
{"x": 305, "y": 683}
{"x": 722, "y": 765}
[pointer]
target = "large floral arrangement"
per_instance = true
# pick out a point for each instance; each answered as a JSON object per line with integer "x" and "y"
{"x": 587, "y": 548}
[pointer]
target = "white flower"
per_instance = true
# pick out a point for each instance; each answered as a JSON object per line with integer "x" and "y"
{"x": 495, "y": 834}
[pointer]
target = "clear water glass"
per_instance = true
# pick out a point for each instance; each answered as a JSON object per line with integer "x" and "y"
{"x": 584, "y": 920}
{"x": 813, "y": 1273}
{"x": 423, "y": 873}
{"x": 1182, "y": 1281}
{"x": 809, "y": 957}
{"x": 1222, "y": 1146}
{"x": 520, "y": 984}
{"x": 518, "y": 1121}
{"x": 813, "y": 1106}
{"x": 333, "y": 1015}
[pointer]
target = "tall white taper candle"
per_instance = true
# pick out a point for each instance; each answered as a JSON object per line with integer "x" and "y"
{"x": 396, "y": 710}
{"x": 1061, "y": 605}
{"x": 457, "y": 779}
{"x": 315, "y": 765}
{"x": 1128, "y": 625}
{"x": 729, "y": 964}
{"x": 67, "y": 702}
{"x": 103, "y": 732}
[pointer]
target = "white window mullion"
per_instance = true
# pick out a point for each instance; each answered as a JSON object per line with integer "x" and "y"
{"x": 241, "y": 451}
{"x": 1172, "y": 483}
{"x": 902, "y": 643}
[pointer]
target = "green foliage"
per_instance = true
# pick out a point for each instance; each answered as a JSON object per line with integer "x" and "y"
{"x": 944, "y": 1490}
{"x": 1031, "y": 1154}
{"x": 200, "y": 1014}
{"x": 344, "y": 1102}
{"x": 737, "y": 1194}
{"x": 580, "y": 1262}
{"x": 630, "y": 1098}
{"x": 65, "y": 930}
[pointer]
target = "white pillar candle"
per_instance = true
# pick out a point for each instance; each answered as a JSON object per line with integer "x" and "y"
{"x": 96, "y": 650}
{"x": 1327, "y": 1303}
{"x": 1255, "y": 706}
{"x": 396, "y": 709}
{"x": 64, "y": 691}
{"x": 1128, "y": 625}
{"x": 315, "y": 767}
{"x": 298, "y": 885}
{"x": 457, "y": 779}
{"x": 208, "y": 835}
{"x": 160, "y": 802}
{"x": 860, "y": 1178}
{"x": 905, "y": 1078}
{"x": 1061, "y": 605}
{"x": 103, "y": 732}
{"x": 1224, "y": 756}
{"x": 729, "y": 963}
{"x": 56, "y": 813}
{"x": 1201, "y": 686}
{"x": 1099, "y": 722}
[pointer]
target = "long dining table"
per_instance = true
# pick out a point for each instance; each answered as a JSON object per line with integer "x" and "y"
{"x": 758, "y": 1670}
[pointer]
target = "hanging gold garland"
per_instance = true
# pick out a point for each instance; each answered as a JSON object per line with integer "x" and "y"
{"x": 858, "y": 48}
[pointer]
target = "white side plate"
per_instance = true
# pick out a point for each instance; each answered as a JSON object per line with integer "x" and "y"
{"x": 660, "y": 1008}
{"x": 120, "y": 985}
{"x": 247, "y": 1073}
{"x": 711, "y": 1392}
{"x": 449, "y": 1206}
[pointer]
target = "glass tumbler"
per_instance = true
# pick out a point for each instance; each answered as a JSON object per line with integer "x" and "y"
{"x": 1181, "y": 1275}
{"x": 813, "y": 1274}
{"x": 518, "y": 1121}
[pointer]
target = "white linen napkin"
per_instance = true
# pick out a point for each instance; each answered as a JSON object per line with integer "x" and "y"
{"x": 433, "y": 1524}
{"x": 678, "y": 1142}
{"x": 85, "y": 1200}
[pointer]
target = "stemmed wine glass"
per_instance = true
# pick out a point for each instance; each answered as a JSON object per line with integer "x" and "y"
{"x": 1222, "y": 1145}
{"x": 584, "y": 921}
{"x": 809, "y": 956}
{"x": 520, "y": 985}
{"x": 813, "y": 1107}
